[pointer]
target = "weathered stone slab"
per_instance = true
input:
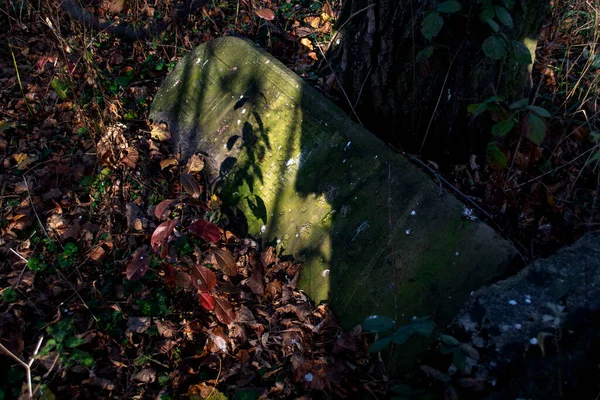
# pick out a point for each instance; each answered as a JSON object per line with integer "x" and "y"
{"x": 515, "y": 325}
{"x": 304, "y": 174}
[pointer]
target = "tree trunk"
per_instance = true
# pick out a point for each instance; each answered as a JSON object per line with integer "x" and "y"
{"x": 414, "y": 92}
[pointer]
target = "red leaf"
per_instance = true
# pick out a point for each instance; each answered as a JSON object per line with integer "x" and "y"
{"x": 265, "y": 13}
{"x": 203, "y": 278}
{"x": 162, "y": 233}
{"x": 163, "y": 207}
{"x": 169, "y": 271}
{"x": 224, "y": 311}
{"x": 207, "y": 301}
{"x": 139, "y": 265}
{"x": 191, "y": 186}
{"x": 205, "y": 230}
{"x": 225, "y": 261}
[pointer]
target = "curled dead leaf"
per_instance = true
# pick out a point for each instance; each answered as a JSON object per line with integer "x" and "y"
{"x": 167, "y": 162}
{"x": 131, "y": 159}
{"x": 306, "y": 42}
{"x": 195, "y": 164}
{"x": 225, "y": 261}
{"x": 191, "y": 185}
{"x": 160, "y": 132}
{"x": 203, "y": 278}
{"x": 224, "y": 311}
{"x": 266, "y": 14}
{"x": 139, "y": 265}
{"x": 161, "y": 234}
{"x": 162, "y": 209}
{"x": 205, "y": 230}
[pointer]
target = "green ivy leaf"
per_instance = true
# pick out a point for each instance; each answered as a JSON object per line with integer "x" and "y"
{"x": 509, "y": 4}
{"x": 542, "y": 112}
{"x": 450, "y": 6}
{"x": 425, "y": 53}
{"x": 422, "y": 326}
{"x": 378, "y": 323}
{"x": 493, "y": 24}
{"x": 501, "y": 128}
{"x": 487, "y": 13}
{"x": 9, "y": 295}
{"x": 534, "y": 128}
{"x": 381, "y": 344}
{"x": 498, "y": 159}
{"x": 449, "y": 340}
{"x": 503, "y": 16}
{"x": 431, "y": 25}
{"x": 494, "y": 47}
{"x": 519, "y": 104}
{"x": 73, "y": 341}
{"x": 594, "y": 158}
{"x": 519, "y": 53}
{"x": 84, "y": 358}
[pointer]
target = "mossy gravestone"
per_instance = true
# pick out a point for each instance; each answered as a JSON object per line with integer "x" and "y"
{"x": 301, "y": 173}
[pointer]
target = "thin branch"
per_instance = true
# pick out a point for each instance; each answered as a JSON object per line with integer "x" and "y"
{"x": 555, "y": 169}
{"x": 341, "y": 87}
{"x": 441, "y": 94}
{"x": 26, "y": 365}
{"x": 346, "y": 22}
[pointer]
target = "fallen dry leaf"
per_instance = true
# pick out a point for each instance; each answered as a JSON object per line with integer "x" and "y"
{"x": 160, "y": 132}
{"x": 266, "y": 14}
{"x": 139, "y": 265}
{"x": 168, "y": 162}
{"x": 194, "y": 165}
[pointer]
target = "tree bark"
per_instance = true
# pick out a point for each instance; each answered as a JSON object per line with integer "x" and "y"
{"x": 419, "y": 104}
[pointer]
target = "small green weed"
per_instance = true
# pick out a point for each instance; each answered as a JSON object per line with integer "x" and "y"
{"x": 9, "y": 295}
{"x": 69, "y": 255}
{"x": 64, "y": 341}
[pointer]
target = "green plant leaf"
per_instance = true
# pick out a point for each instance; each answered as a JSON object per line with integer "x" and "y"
{"x": 542, "y": 112}
{"x": 493, "y": 99}
{"x": 509, "y": 4}
{"x": 487, "y": 13}
{"x": 534, "y": 128}
{"x": 431, "y": 25}
{"x": 503, "y": 16}
{"x": 9, "y": 295}
{"x": 378, "y": 323}
{"x": 594, "y": 158}
{"x": 381, "y": 344}
{"x": 60, "y": 87}
{"x": 494, "y": 47}
{"x": 519, "y": 104}
{"x": 425, "y": 53}
{"x": 519, "y": 53}
{"x": 450, "y": 6}
{"x": 472, "y": 108}
{"x": 501, "y": 128}
{"x": 422, "y": 326}
{"x": 73, "y": 341}
{"x": 498, "y": 159}
{"x": 84, "y": 358}
{"x": 449, "y": 340}
{"x": 493, "y": 24}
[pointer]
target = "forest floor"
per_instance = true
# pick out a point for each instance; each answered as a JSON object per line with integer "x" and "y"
{"x": 86, "y": 185}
